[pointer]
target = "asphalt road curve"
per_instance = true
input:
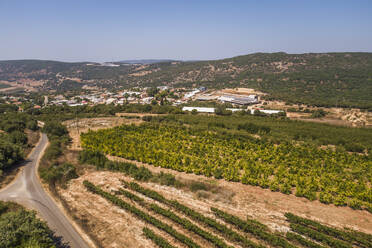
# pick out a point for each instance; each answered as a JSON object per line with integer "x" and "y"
{"x": 26, "y": 190}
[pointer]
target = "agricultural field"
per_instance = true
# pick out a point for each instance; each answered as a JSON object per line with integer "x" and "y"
{"x": 136, "y": 197}
{"x": 120, "y": 211}
{"x": 248, "y": 154}
{"x": 78, "y": 126}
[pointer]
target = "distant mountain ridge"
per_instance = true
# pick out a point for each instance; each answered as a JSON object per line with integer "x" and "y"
{"x": 145, "y": 61}
{"x": 317, "y": 79}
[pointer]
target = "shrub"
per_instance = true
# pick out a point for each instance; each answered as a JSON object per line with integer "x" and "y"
{"x": 252, "y": 128}
{"x": 147, "y": 118}
{"x": 165, "y": 179}
{"x": 159, "y": 241}
{"x": 18, "y": 137}
{"x": 55, "y": 128}
{"x": 92, "y": 157}
{"x": 319, "y": 113}
{"x": 59, "y": 173}
{"x": 353, "y": 147}
{"x": 196, "y": 186}
{"x": 32, "y": 125}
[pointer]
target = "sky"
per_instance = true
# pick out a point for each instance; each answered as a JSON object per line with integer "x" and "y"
{"x": 112, "y": 30}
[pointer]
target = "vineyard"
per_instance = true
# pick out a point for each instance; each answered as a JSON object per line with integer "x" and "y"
{"x": 188, "y": 227}
{"x": 331, "y": 176}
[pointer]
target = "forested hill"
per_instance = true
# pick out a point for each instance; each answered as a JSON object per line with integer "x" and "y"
{"x": 328, "y": 79}
{"x": 322, "y": 79}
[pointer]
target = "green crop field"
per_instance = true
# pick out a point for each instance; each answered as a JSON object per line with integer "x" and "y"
{"x": 300, "y": 168}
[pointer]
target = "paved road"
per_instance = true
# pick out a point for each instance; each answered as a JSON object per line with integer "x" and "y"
{"x": 26, "y": 189}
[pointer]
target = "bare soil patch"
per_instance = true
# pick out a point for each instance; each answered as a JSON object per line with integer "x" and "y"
{"x": 296, "y": 115}
{"x": 242, "y": 91}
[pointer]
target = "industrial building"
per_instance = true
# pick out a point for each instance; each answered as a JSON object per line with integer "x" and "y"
{"x": 206, "y": 98}
{"x": 239, "y": 100}
{"x": 212, "y": 110}
{"x": 199, "y": 109}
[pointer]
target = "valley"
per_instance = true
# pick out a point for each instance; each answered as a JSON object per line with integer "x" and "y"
{"x": 101, "y": 219}
{"x": 135, "y": 166}
{"x": 186, "y": 124}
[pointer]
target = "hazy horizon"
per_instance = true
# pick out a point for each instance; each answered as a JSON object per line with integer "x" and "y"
{"x": 165, "y": 59}
{"x": 98, "y": 31}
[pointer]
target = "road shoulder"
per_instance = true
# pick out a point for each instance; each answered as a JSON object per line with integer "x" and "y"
{"x": 59, "y": 204}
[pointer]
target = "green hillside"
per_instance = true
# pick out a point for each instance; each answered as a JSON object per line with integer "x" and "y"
{"x": 320, "y": 79}
{"x": 334, "y": 79}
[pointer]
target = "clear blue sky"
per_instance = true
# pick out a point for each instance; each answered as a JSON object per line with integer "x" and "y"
{"x": 106, "y": 30}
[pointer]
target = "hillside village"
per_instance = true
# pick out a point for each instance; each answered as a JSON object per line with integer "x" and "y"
{"x": 201, "y": 99}
{"x": 157, "y": 95}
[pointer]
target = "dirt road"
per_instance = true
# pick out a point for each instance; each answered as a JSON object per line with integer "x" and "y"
{"x": 27, "y": 190}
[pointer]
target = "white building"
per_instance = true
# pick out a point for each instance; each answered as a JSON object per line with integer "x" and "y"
{"x": 240, "y": 100}
{"x": 110, "y": 100}
{"x": 199, "y": 109}
{"x": 131, "y": 93}
{"x": 191, "y": 94}
{"x": 163, "y": 87}
{"x": 147, "y": 100}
